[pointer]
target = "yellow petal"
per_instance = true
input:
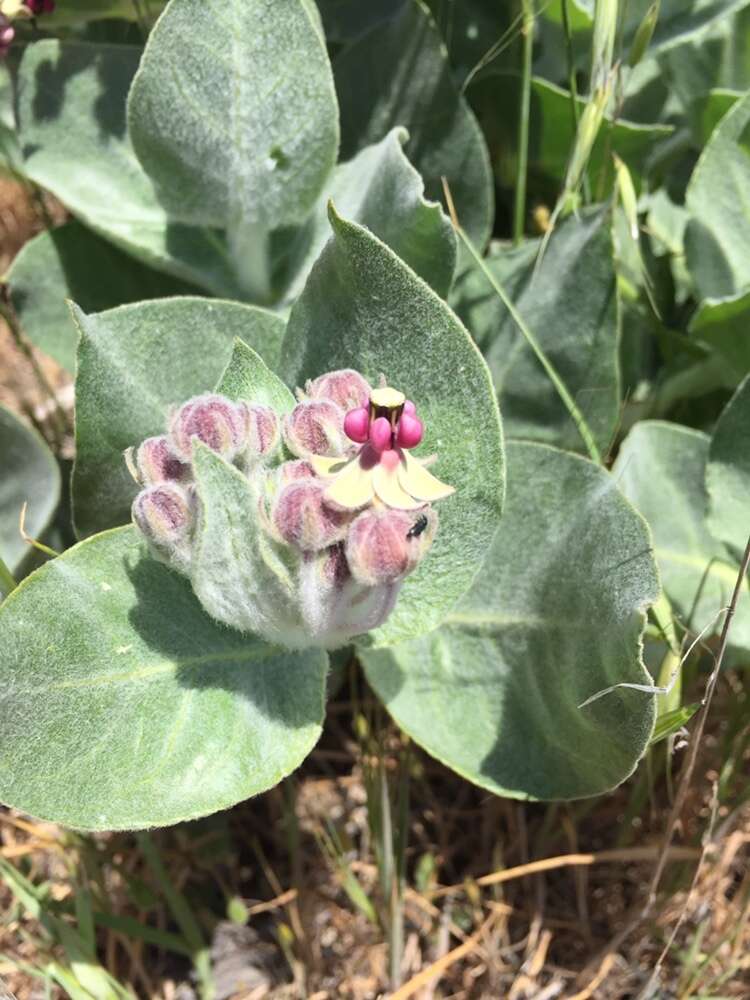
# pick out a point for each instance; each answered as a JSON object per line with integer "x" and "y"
{"x": 352, "y": 488}
{"x": 420, "y": 483}
{"x": 326, "y": 466}
{"x": 389, "y": 491}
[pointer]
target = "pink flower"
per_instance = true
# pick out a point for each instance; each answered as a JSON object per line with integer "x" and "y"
{"x": 382, "y": 470}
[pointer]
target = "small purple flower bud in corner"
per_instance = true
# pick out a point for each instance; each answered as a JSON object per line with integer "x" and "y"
{"x": 303, "y": 520}
{"x": 214, "y": 420}
{"x": 164, "y": 515}
{"x": 315, "y": 427}
{"x": 386, "y": 545}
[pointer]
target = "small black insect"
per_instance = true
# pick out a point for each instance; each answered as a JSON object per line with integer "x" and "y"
{"x": 418, "y": 527}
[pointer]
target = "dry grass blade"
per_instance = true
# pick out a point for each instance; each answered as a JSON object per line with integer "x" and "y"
{"x": 625, "y": 855}
{"x": 440, "y": 967}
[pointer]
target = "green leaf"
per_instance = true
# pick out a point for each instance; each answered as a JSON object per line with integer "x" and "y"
{"x": 71, "y": 112}
{"x": 71, "y": 262}
{"x": 381, "y": 190}
{"x": 233, "y": 112}
{"x": 671, "y": 722}
{"x": 717, "y": 239}
{"x": 725, "y": 325}
{"x": 247, "y": 377}
{"x": 135, "y": 362}
{"x": 125, "y": 706}
{"x": 661, "y": 468}
{"x": 29, "y": 474}
{"x": 728, "y": 472}
{"x": 555, "y": 615}
{"x": 378, "y": 316}
{"x": 398, "y": 74}
{"x": 570, "y": 305}
{"x": 552, "y": 135}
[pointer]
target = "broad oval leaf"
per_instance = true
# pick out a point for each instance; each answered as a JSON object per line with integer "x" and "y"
{"x": 569, "y": 303}
{"x": 135, "y": 362}
{"x": 233, "y": 111}
{"x": 123, "y": 705}
{"x": 555, "y": 616}
{"x": 58, "y": 264}
{"x": 717, "y": 239}
{"x": 398, "y": 74}
{"x": 29, "y": 475}
{"x": 728, "y": 472}
{"x": 71, "y": 119}
{"x": 661, "y": 468}
{"x": 363, "y": 308}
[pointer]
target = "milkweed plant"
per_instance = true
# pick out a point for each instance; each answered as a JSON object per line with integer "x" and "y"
{"x": 291, "y": 355}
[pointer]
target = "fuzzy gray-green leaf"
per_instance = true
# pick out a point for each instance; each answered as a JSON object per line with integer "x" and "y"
{"x": 233, "y": 112}
{"x": 125, "y": 706}
{"x": 71, "y": 116}
{"x": 661, "y": 468}
{"x": 29, "y": 474}
{"x": 555, "y": 615}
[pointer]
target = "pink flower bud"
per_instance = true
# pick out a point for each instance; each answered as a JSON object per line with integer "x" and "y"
{"x": 357, "y": 424}
{"x": 410, "y": 408}
{"x": 315, "y": 428}
{"x": 346, "y": 388}
{"x": 410, "y": 431}
{"x": 380, "y": 434}
{"x": 164, "y": 514}
{"x": 292, "y": 472}
{"x": 303, "y": 519}
{"x": 214, "y": 420}
{"x": 156, "y": 462}
{"x": 386, "y": 545}
{"x": 264, "y": 432}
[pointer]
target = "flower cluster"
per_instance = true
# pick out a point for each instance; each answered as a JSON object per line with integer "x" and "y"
{"x": 340, "y": 501}
{"x": 13, "y": 10}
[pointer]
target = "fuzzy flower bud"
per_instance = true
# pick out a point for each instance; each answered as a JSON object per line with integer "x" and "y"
{"x": 303, "y": 520}
{"x": 263, "y": 432}
{"x": 214, "y": 420}
{"x": 156, "y": 462}
{"x": 347, "y": 388}
{"x": 315, "y": 428}
{"x": 292, "y": 472}
{"x": 164, "y": 515}
{"x": 384, "y": 546}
